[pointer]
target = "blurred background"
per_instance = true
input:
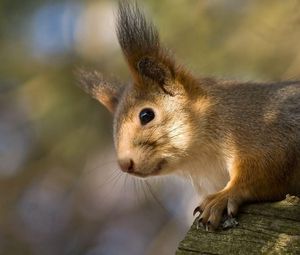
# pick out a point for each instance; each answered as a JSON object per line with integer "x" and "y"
{"x": 60, "y": 189}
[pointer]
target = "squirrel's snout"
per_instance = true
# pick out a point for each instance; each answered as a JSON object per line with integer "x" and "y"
{"x": 126, "y": 165}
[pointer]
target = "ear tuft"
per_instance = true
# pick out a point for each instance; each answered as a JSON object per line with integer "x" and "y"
{"x": 139, "y": 40}
{"x": 92, "y": 83}
{"x": 137, "y": 36}
{"x": 146, "y": 58}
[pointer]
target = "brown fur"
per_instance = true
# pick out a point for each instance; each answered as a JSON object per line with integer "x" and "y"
{"x": 238, "y": 142}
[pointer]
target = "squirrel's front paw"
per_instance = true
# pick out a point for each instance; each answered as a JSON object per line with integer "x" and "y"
{"x": 212, "y": 208}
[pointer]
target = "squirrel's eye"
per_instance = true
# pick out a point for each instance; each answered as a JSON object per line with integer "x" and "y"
{"x": 146, "y": 115}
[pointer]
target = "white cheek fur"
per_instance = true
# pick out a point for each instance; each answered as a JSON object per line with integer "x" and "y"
{"x": 178, "y": 134}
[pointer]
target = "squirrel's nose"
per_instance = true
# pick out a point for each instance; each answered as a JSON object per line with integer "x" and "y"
{"x": 126, "y": 164}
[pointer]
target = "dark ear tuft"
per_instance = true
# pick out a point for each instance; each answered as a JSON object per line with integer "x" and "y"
{"x": 136, "y": 35}
{"x": 92, "y": 83}
{"x": 140, "y": 44}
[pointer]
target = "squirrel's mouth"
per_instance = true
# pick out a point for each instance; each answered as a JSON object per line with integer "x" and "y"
{"x": 156, "y": 170}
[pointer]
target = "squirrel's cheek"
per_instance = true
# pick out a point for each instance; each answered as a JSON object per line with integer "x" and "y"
{"x": 180, "y": 134}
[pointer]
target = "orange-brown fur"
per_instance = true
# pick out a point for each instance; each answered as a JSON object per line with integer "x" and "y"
{"x": 238, "y": 142}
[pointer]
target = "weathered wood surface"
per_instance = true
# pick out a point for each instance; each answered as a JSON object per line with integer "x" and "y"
{"x": 268, "y": 228}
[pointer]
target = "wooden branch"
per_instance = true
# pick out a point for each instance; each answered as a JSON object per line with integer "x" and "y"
{"x": 267, "y": 228}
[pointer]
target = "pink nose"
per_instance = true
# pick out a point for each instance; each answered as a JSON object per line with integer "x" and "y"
{"x": 126, "y": 164}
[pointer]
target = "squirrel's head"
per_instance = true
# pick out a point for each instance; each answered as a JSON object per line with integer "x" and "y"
{"x": 154, "y": 122}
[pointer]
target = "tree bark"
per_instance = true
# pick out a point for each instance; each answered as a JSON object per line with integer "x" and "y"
{"x": 267, "y": 228}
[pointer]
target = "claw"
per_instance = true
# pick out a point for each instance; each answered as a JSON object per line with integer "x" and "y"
{"x": 199, "y": 222}
{"x": 206, "y": 227}
{"x": 197, "y": 210}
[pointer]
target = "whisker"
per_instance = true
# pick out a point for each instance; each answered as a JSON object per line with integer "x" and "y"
{"x": 91, "y": 170}
{"x": 115, "y": 181}
{"x": 116, "y": 174}
{"x": 78, "y": 182}
{"x": 154, "y": 196}
{"x": 146, "y": 198}
{"x": 135, "y": 191}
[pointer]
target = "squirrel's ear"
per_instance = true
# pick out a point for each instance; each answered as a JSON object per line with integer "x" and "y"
{"x": 93, "y": 84}
{"x": 141, "y": 47}
{"x": 155, "y": 70}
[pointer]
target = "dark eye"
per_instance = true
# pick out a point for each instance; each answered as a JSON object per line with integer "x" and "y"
{"x": 146, "y": 115}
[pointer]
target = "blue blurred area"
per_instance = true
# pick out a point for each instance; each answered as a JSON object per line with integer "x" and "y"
{"x": 53, "y": 28}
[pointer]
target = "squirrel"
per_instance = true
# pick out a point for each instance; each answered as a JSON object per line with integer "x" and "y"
{"x": 238, "y": 142}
